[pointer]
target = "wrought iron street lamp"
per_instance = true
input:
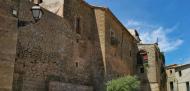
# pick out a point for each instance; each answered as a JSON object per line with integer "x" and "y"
{"x": 36, "y": 13}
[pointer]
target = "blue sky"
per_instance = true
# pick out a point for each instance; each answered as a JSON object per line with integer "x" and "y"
{"x": 167, "y": 20}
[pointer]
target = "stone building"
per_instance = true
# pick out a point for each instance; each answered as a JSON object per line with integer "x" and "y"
{"x": 119, "y": 47}
{"x": 8, "y": 41}
{"x": 150, "y": 68}
{"x": 178, "y": 78}
{"x": 74, "y": 47}
{"x": 171, "y": 79}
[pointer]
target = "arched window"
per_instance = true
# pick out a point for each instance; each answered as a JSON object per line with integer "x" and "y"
{"x": 142, "y": 57}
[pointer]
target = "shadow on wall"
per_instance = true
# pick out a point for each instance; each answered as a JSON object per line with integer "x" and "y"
{"x": 145, "y": 84}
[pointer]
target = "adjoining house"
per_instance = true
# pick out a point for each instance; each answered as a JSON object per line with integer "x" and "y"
{"x": 178, "y": 78}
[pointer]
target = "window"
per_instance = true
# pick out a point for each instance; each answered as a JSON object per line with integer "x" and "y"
{"x": 77, "y": 25}
{"x": 180, "y": 74}
{"x": 187, "y": 86}
{"x": 113, "y": 39}
{"x": 112, "y": 34}
{"x": 170, "y": 71}
{"x": 142, "y": 70}
{"x": 171, "y": 86}
{"x": 76, "y": 64}
{"x": 144, "y": 55}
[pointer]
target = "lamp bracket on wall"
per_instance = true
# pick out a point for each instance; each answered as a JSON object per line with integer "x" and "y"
{"x": 36, "y": 13}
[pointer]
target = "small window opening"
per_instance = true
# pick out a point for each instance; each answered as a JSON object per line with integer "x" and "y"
{"x": 76, "y": 64}
{"x": 180, "y": 74}
{"x": 171, "y": 86}
{"x": 142, "y": 70}
{"x": 170, "y": 71}
{"x": 187, "y": 86}
{"x": 78, "y": 30}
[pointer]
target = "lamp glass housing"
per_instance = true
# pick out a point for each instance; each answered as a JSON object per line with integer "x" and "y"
{"x": 36, "y": 12}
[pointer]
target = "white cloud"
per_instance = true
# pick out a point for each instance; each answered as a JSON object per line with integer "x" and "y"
{"x": 150, "y": 33}
{"x": 187, "y": 61}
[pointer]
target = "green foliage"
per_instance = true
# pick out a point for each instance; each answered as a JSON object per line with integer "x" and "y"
{"x": 128, "y": 83}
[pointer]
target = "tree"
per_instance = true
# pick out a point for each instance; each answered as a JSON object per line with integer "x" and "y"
{"x": 128, "y": 83}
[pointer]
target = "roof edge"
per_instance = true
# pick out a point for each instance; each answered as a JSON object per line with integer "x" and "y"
{"x": 111, "y": 13}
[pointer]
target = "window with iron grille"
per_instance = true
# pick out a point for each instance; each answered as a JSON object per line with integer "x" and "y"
{"x": 113, "y": 39}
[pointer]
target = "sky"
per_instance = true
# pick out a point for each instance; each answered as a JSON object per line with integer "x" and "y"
{"x": 165, "y": 20}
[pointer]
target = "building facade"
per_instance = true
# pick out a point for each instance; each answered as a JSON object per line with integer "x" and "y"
{"x": 150, "y": 68}
{"x": 171, "y": 79}
{"x": 8, "y": 41}
{"x": 178, "y": 77}
{"x": 119, "y": 47}
{"x": 59, "y": 52}
{"x": 74, "y": 47}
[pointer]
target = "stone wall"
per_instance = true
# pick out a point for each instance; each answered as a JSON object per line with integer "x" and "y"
{"x": 119, "y": 58}
{"x": 8, "y": 40}
{"x": 57, "y": 86}
{"x": 118, "y": 55}
{"x": 78, "y": 9}
{"x": 51, "y": 50}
